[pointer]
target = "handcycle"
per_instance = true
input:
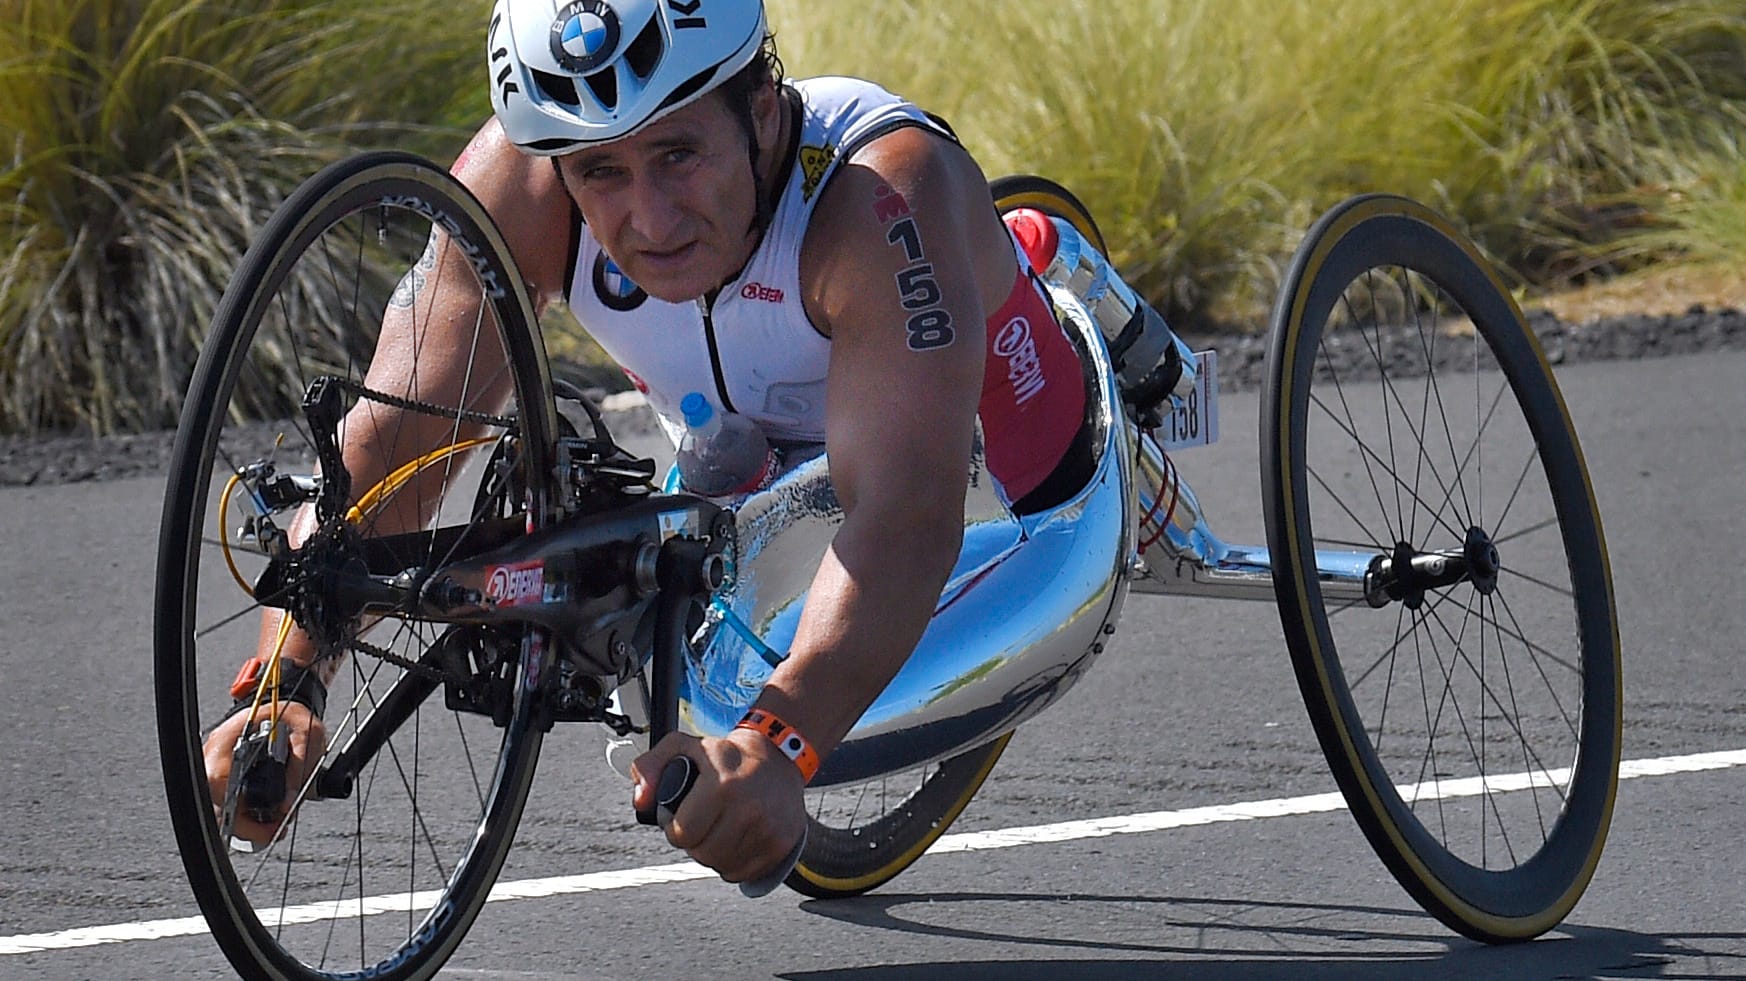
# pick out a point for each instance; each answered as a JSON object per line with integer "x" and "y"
{"x": 1433, "y": 549}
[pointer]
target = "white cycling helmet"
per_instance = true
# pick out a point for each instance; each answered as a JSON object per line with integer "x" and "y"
{"x": 566, "y": 74}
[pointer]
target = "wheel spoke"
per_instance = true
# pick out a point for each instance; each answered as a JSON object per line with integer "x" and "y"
{"x": 1521, "y": 478}
{"x": 418, "y": 788}
{"x": 1445, "y": 699}
{"x": 1554, "y": 587}
{"x": 1449, "y": 440}
{"x": 1487, "y": 694}
{"x": 1423, "y": 459}
{"x": 1519, "y": 679}
{"x": 1515, "y": 709}
{"x": 1388, "y": 652}
{"x": 1365, "y": 450}
{"x": 1352, "y": 424}
{"x": 1328, "y": 488}
{"x": 1538, "y": 656}
{"x": 1536, "y": 526}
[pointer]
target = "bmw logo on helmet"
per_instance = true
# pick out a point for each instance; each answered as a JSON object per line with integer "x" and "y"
{"x": 585, "y": 36}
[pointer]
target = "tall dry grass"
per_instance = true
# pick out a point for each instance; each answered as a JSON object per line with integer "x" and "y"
{"x": 144, "y": 142}
{"x": 1207, "y": 134}
{"x": 142, "y": 145}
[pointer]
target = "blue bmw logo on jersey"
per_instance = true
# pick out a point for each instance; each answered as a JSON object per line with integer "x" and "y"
{"x": 617, "y": 283}
{"x": 585, "y": 36}
{"x": 614, "y": 288}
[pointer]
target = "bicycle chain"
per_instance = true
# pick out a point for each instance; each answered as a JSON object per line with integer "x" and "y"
{"x": 364, "y": 647}
{"x": 427, "y": 408}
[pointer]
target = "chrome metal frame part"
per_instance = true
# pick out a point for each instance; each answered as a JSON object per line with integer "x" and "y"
{"x": 1029, "y": 605}
{"x": 1027, "y": 608}
{"x": 1191, "y": 560}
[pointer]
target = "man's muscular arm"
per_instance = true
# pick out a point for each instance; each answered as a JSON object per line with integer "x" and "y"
{"x": 425, "y": 351}
{"x": 905, "y": 259}
{"x": 919, "y": 262}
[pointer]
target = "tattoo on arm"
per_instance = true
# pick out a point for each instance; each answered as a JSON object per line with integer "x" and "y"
{"x": 929, "y": 325}
{"x": 412, "y": 283}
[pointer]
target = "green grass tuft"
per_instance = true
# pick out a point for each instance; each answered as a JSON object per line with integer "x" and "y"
{"x": 1207, "y": 134}
{"x": 143, "y": 143}
{"x": 142, "y": 146}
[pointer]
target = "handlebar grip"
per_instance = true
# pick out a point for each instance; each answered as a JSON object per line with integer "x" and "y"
{"x": 677, "y": 778}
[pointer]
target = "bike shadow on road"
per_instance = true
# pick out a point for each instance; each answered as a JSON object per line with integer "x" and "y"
{"x": 1245, "y": 940}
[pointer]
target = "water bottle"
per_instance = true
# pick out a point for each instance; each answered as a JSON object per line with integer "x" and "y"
{"x": 1139, "y": 340}
{"x": 722, "y": 453}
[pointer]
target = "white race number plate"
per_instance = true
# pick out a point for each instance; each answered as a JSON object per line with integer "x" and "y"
{"x": 1193, "y": 419}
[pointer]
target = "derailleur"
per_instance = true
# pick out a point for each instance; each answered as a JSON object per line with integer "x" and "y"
{"x": 598, "y": 474}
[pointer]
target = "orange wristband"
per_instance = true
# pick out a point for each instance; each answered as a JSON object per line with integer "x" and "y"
{"x": 787, "y": 739}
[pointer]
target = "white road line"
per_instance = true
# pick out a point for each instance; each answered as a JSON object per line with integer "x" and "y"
{"x": 971, "y": 841}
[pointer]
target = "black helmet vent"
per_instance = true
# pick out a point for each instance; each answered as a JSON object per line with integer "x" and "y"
{"x": 644, "y": 53}
{"x": 556, "y": 87}
{"x": 604, "y": 85}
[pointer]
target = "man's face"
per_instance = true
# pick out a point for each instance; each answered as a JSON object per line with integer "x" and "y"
{"x": 673, "y": 202}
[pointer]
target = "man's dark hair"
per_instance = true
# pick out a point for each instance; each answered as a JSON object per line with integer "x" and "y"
{"x": 765, "y": 68}
{"x": 766, "y": 65}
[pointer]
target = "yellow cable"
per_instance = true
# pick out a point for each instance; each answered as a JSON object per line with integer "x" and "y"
{"x": 382, "y": 489}
{"x": 393, "y": 482}
{"x": 224, "y": 534}
{"x": 270, "y": 680}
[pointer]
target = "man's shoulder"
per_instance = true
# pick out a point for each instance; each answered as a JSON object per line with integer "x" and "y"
{"x": 525, "y": 198}
{"x": 836, "y": 83}
{"x": 843, "y": 103}
{"x": 499, "y": 173}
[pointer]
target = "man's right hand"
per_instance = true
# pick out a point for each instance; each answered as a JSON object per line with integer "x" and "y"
{"x": 308, "y": 737}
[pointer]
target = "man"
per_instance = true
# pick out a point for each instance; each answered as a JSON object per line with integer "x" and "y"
{"x": 820, "y": 256}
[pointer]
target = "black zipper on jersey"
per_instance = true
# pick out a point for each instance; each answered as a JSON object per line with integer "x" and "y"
{"x": 704, "y": 303}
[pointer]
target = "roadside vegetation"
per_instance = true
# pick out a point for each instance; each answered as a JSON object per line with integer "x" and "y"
{"x": 142, "y": 145}
{"x": 143, "y": 142}
{"x": 1572, "y": 138}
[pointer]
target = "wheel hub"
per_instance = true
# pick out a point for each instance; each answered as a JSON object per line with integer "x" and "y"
{"x": 1483, "y": 561}
{"x": 1406, "y": 574}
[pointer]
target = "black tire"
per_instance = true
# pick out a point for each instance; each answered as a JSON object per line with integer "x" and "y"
{"x": 436, "y": 809}
{"x": 860, "y": 837}
{"x": 1472, "y": 725}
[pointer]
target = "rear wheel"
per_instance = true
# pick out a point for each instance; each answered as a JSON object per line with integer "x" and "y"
{"x": 383, "y": 878}
{"x": 1467, "y": 694}
{"x": 861, "y": 837}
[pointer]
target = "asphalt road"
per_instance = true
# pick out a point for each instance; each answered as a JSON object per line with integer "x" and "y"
{"x": 1194, "y": 705}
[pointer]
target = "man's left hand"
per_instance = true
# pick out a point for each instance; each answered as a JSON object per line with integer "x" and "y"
{"x": 745, "y": 812}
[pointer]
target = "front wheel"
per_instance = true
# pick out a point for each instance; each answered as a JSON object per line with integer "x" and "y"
{"x": 380, "y": 873}
{"x": 1464, "y": 685}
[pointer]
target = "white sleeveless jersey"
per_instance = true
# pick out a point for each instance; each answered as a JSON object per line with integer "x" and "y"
{"x": 752, "y": 350}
